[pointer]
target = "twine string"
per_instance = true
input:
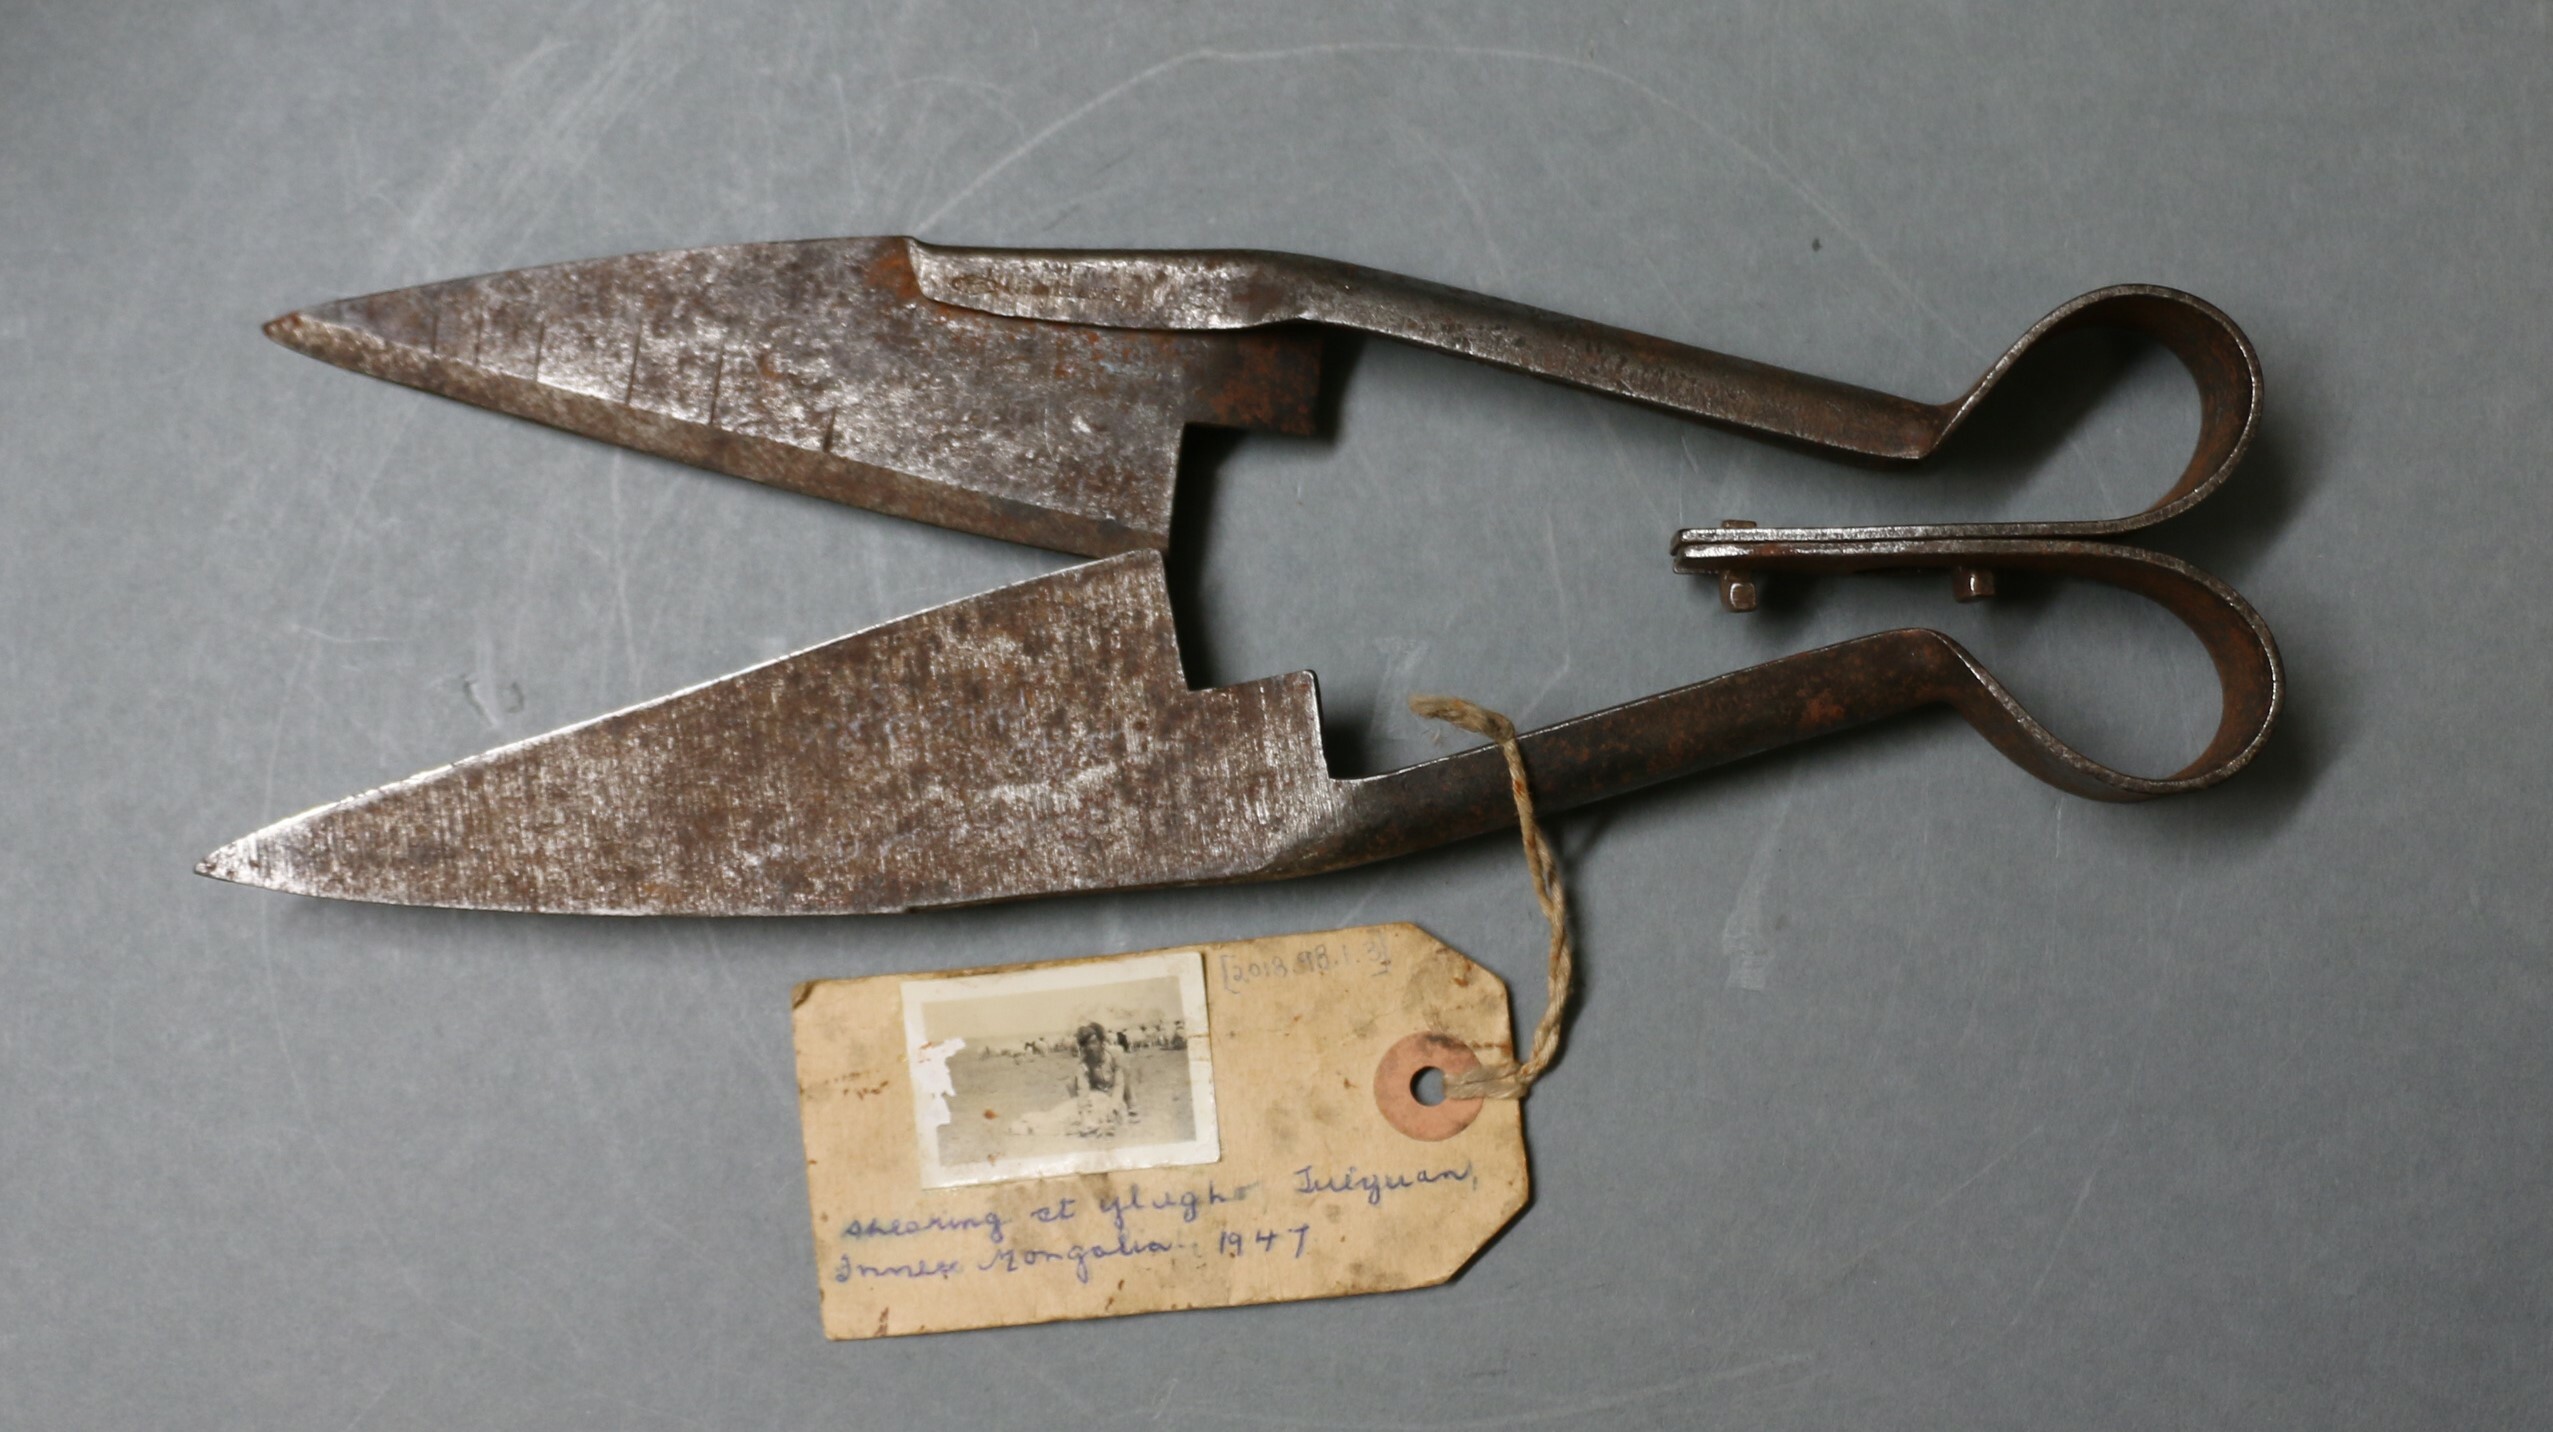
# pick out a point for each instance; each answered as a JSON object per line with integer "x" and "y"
{"x": 1504, "y": 1078}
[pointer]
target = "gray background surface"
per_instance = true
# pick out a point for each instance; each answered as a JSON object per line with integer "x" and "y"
{"x": 1906, "y": 1093}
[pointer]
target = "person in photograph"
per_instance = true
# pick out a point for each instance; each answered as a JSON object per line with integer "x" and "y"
{"x": 1100, "y": 1096}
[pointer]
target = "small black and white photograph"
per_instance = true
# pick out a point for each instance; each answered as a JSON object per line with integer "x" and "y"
{"x": 1064, "y": 1069}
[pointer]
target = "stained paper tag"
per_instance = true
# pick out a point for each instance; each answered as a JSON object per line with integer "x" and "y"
{"x": 1189, "y": 1128}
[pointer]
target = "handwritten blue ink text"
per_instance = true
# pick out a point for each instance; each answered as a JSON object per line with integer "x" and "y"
{"x": 989, "y": 1222}
{"x": 1374, "y": 1185}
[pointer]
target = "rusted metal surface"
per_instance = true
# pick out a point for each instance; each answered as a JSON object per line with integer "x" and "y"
{"x": 1216, "y": 290}
{"x": 820, "y": 367}
{"x": 1241, "y": 290}
{"x": 1039, "y": 395}
{"x": 1032, "y": 739}
{"x": 2251, "y": 682}
{"x": 1042, "y": 738}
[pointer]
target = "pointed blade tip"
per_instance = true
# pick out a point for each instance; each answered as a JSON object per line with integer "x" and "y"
{"x": 293, "y": 330}
{"x": 233, "y": 862}
{"x": 263, "y": 859}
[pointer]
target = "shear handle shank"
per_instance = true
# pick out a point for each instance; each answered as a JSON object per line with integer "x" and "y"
{"x": 1815, "y": 693}
{"x": 1229, "y": 289}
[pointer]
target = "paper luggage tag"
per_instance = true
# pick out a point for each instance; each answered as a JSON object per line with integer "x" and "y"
{"x": 1198, "y": 1127}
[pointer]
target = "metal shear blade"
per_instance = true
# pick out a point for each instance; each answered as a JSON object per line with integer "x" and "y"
{"x": 1041, "y": 738}
{"x": 820, "y": 367}
{"x": 1039, "y": 396}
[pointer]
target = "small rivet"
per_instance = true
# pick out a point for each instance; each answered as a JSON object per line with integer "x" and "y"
{"x": 1738, "y": 589}
{"x": 1971, "y": 584}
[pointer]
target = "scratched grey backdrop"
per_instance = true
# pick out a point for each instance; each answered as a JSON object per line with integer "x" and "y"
{"x": 1907, "y": 1092}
